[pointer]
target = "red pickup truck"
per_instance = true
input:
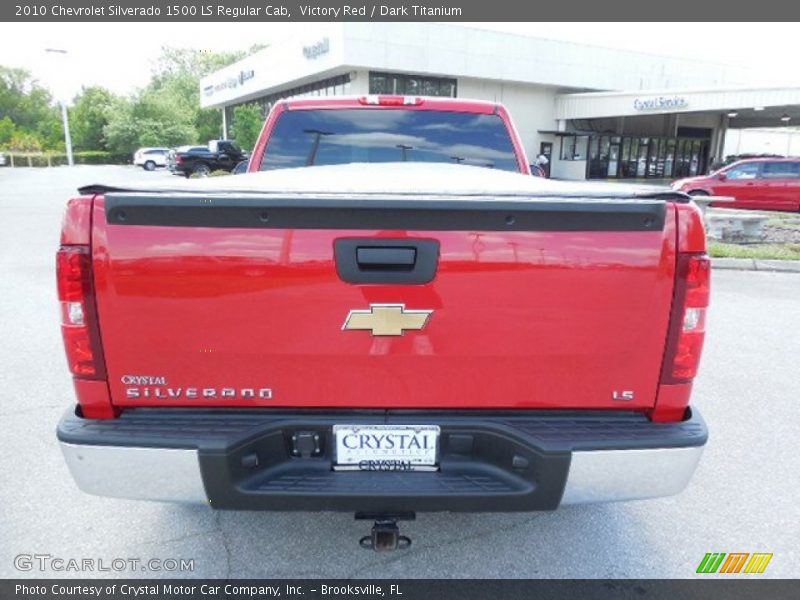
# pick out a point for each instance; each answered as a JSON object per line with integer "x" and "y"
{"x": 424, "y": 328}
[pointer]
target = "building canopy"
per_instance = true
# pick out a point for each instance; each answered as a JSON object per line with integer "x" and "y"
{"x": 744, "y": 107}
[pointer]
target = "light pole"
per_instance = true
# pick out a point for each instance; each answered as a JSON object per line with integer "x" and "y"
{"x": 64, "y": 117}
{"x": 312, "y": 155}
{"x": 403, "y": 150}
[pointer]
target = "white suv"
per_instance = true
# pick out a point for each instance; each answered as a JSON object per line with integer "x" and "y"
{"x": 150, "y": 158}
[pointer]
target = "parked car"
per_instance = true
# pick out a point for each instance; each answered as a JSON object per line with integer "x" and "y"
{"x": 3, "y": 160}
{"x": 755, "y": 183}
{"x": 219, "y": 155}
{"x": 150, "y": 158}
{"x": 172, "y": 163}
{"x": 488, "y": 340}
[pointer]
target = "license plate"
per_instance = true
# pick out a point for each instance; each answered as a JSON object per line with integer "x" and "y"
{"x": 386, "y": 447}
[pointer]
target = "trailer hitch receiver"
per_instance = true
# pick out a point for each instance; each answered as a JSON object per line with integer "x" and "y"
{"x": 385, "y": 535}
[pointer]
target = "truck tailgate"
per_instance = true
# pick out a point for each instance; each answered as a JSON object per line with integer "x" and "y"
{"x": 244, "y": 301}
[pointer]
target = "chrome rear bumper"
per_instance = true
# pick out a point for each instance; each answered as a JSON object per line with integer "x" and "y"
{"x": 165, "y": 474}
{"x": 499, "y": 462}
{"x": 616, "y": 475}
{"x": 173, "y": 475}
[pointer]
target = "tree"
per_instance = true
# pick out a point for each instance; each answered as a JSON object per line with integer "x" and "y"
{"x": 167, "y": 111}
{"x": 246, "y": 126}
{"x": 7, "y": 128}
{"x": 179, "y": 70}
{"x": 149, "y": 120}
{"x": 24, "y": 142}
{"x": 209, "y": 124}
{"x": 197, "y": 63}
{"x": 121, "y": 133}
{"x": 30, "y": 108}
{"x": 88, "y": 117}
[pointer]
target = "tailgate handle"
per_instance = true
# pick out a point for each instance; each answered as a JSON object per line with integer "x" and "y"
{"x": 386, "y": 260}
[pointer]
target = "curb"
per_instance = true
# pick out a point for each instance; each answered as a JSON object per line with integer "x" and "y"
{"x": 756, "y": 264}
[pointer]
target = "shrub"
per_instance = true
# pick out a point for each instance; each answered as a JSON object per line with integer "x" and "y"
{"x": 99, "y": 157}
{"x": 217, "y": 173}
{"x": 45, "y": 159}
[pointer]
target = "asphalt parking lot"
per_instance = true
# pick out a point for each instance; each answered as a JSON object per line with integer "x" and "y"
{"x": 742, "y": 498}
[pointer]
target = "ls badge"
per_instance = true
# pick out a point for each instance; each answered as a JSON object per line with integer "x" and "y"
{"x": 386, "y": 319}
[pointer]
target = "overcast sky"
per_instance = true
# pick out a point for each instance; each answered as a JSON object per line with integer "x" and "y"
{"x": 120, "y": 55}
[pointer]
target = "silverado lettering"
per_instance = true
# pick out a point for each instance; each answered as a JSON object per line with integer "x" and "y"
{"x": 447, "y": 332}
{"x": 158, "y": 392}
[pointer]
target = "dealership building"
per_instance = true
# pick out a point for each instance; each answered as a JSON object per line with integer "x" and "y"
{"x": 596, "y": 112}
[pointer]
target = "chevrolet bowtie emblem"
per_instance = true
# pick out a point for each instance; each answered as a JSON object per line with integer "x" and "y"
{"x": 386, "y": 319}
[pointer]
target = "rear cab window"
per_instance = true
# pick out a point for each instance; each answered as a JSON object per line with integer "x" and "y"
{"x": 327, "y": 137}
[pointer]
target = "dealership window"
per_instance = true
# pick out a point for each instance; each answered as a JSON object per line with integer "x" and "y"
{"x": 603, "y": 156}
{"x": 641, "y": 157}
{"x": 613, "y": 156}
{"x": 573, "y": 147}
{"x": 669, "y": 159}
{"x": 655, "y": 161}
{"x": 411, "y": 85}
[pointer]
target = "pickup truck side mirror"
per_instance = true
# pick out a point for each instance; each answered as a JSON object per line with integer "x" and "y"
{"x": 722, "y": 176}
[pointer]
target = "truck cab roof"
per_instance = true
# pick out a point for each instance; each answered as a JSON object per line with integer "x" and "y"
{"x": 407, "y": 102}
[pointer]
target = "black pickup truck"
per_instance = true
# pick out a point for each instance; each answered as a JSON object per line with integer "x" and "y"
{"x": 219, "y": 155}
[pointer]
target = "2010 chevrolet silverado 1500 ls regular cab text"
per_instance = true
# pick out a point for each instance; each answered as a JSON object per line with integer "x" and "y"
{"x": 386, "y": 336}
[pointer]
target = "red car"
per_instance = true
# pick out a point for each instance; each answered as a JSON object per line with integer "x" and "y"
{"x": 756, "y": 183}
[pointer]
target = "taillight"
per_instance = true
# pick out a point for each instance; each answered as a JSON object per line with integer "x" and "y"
{"x": 78, "y": 314}
{"x": 178, "y": 159}
{"x": 687, "y": 328}
{"x": 391, "y": 100}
